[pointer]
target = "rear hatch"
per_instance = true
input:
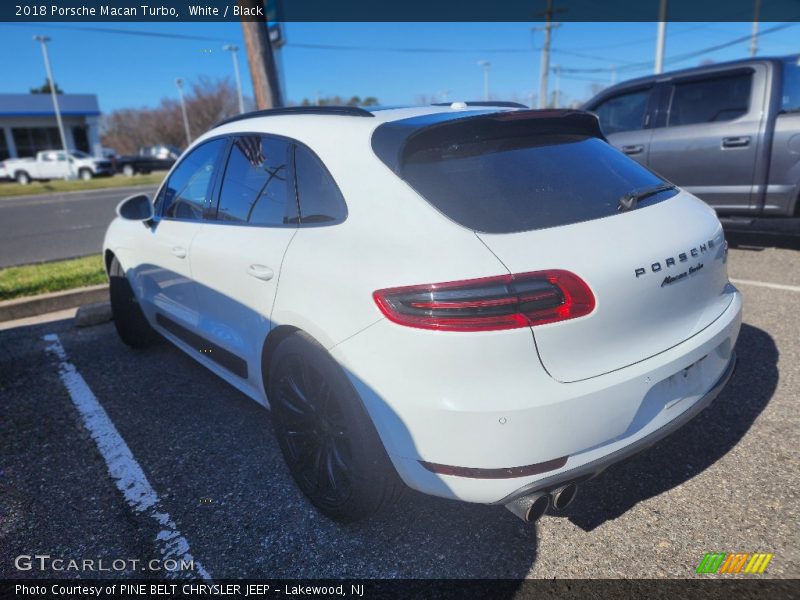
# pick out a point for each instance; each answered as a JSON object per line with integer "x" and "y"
{"x": 543, "y": 190}
{"x": 658, "y": 276}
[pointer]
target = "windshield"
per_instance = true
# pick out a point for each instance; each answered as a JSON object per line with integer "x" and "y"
{"x": 79, "y": 154}
{"x": 790, "y": 100}
{"x": 533, "y": 182}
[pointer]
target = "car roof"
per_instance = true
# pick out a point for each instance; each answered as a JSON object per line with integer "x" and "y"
{"x": 382, "y": 114}
{"x": 320, "y": 127}
{"x": 647, "y": 79}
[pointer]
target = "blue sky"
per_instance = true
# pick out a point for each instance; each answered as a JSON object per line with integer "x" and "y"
{"x": 131, "y": 70}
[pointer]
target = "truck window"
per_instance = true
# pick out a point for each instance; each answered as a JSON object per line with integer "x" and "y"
{"x": 790, "y": 99}
{"x": 624, "y": 112}
{"x": 710, "y": 100}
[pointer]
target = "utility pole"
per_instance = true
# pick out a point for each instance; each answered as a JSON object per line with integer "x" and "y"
{"x": 485, "y": 64}
{"x": 266, "y": 87}
{"x": 544, "y": 67}
{"x": 662, "y": 36}
{"x": 43, "y": 39}
{"x": 179, "y": 83}
{"x": 234, "y": 50}
{"x": 557, "y": 71}
{"x": 754, "y": 38}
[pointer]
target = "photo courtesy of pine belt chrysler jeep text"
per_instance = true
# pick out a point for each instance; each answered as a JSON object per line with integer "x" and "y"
{"x": 481, "y": 302}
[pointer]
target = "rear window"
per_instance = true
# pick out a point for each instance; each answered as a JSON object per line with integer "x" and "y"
{"x": 790, "y": 99}
{"x": 519, "y": 184}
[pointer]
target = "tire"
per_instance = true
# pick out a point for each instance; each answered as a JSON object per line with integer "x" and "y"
{"x": 326, "y": 436}
{"x": 128, "y": 171}
{"x": 85, "y": 174}
{"x": 129, "y": 320}
{"x": 22, "y": 178}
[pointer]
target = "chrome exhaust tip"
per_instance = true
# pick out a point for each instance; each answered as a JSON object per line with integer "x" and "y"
{"x": 530, "y": 508}
{"x": 563, "y": 496}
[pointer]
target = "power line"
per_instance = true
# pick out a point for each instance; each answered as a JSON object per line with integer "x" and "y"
{"x": 409, "y": 50}
{"x": 339, "y": 47}
{"x": 680, "y": 57}
{"x": 137, "y": 32}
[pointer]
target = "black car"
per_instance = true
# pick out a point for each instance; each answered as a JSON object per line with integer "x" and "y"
{"x": 149, "y": 158}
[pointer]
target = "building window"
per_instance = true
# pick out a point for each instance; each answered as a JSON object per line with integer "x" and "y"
{"x": 4, "y": 153}
{"x": 80, "y": 136}
{"x": 30, "y": 140}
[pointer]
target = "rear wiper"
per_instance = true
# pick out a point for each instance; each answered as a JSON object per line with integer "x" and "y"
{"x": 630, "y": 200}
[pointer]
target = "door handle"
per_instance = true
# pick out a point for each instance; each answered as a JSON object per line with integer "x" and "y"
{"x": 179, "y": 251}
{"x": 260, "y": 272}
{"x": 736, "y": 142}
{"x": 634, "y": 149}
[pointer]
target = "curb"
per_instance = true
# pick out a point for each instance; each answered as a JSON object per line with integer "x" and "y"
{"x": 44, "y": 195}
{"x": 93, "y": 314}
{"x": 20, "y": 308}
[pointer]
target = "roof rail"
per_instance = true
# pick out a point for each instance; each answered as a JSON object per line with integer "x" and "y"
{"x": 499, "y": 103}
{"x": 347, "y": 111}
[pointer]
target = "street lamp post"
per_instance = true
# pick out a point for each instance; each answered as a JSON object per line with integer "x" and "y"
{"x": 43, "y": 39}
{"x": 234, "y": 53}
{"x": 179, "y": 83}
{"x": 485, "y": 64}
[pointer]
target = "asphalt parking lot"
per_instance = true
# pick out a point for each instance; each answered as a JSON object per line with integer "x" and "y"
{"x": 727, "y": 482}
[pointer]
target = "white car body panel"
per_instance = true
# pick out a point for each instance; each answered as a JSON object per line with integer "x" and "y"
{"x": 235, "y": 305}
{"x": 579, "y": 389}
{"x": 606, "y": 254}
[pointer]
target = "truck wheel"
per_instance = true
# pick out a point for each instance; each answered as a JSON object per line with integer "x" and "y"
{"x": 326, "y": 436}
{"x": 22, "y": 178}
{"x": 85, "y": 174}
{"x": 128, "y": 171}
{"x": 129, "y": 320}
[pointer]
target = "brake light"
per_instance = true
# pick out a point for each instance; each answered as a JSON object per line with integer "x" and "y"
{"x": 489, "y": 303}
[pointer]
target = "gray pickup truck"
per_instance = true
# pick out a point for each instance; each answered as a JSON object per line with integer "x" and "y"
{"x": 728, "y": 133}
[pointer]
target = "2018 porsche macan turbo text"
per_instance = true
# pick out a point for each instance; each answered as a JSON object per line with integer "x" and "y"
{"x": 484, "y": 303}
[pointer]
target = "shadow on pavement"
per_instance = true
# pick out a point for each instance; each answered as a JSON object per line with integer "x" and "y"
{"x": 693, "y": 448}
{"x": 746, "y": 239}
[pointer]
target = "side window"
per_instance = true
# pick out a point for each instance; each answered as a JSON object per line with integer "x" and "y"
{"x": 711, "y": 100}
{"x": 624, "y": 112}
{"x": 790, "y": 99}
{"x": 187, "y": 190}
{"x": 255, "y": 187}
{"x": 320, "y": 198}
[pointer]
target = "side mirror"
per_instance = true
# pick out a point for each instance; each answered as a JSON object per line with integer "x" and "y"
{"x": 136, "y": 208}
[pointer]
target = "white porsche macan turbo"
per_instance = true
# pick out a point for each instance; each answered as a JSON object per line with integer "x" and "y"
{"x": 485, "y": 303}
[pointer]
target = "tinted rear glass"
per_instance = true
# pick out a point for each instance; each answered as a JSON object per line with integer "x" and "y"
{"x": 519, "y": 184}
{"x": 790, "y": 99}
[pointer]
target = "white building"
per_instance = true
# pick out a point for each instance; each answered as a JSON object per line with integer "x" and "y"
{"x": 28, "y": 123}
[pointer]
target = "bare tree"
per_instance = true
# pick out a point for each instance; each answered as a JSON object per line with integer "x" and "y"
{"x": 207, "y": 102}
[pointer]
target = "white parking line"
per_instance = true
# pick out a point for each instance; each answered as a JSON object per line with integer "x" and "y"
{"x": 122, "y": 466}
{"x": 765, "y": 284}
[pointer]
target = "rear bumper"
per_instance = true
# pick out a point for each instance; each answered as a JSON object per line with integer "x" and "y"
{"x": 485, "y": 402}
{"x": 597, "y": 466}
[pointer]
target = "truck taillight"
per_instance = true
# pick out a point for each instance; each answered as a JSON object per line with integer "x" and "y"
{"x": 489, "y": 303}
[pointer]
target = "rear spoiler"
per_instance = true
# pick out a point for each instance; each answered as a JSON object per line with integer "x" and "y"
{"x": 393, "y": 140}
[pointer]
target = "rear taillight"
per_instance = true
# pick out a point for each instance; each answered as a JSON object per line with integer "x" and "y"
{"x": 490, "y": 303}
